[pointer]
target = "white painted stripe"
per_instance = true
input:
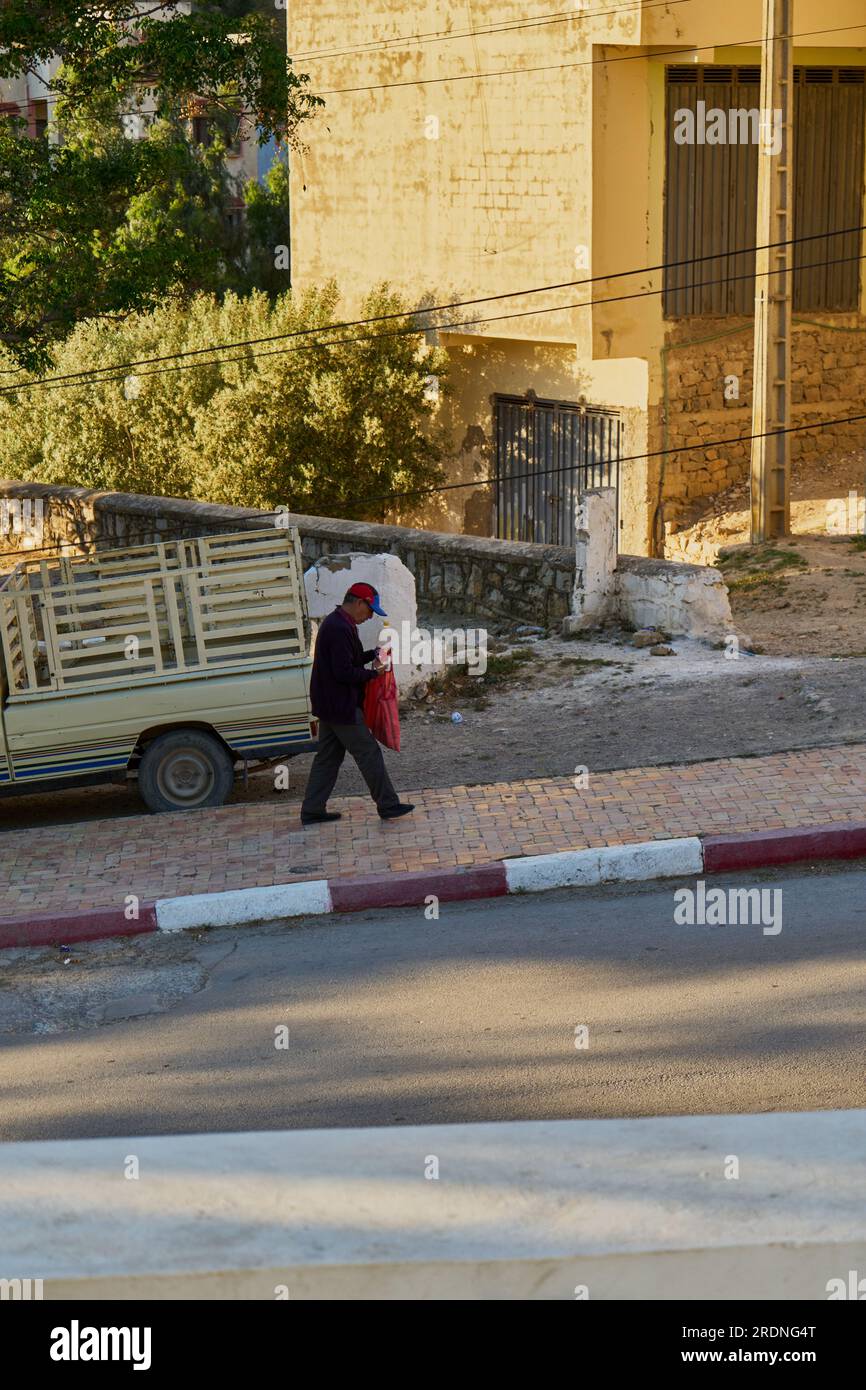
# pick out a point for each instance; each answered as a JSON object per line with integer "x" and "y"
{"x": 537, "y": 872}
{"x": 244, "y": 906}
{"x": 583, "y": 868}
{"x": 652, "y": 859}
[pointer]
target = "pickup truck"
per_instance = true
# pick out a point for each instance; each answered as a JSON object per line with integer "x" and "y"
{"x": 170, "y": 666}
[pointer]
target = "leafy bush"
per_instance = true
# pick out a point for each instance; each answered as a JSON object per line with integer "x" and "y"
{"x": 299, "y": 423}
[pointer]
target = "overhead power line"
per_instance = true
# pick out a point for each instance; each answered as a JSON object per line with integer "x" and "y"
{"x": 94, "y": 375}
{"x": 457, "y": 325}
{"x": 415, "y": 493}
{"x": 630, "y": 458}
{"x": 577, "y": 63}
{"x": 373, "y": 46}
{"x": 411, "y": 332}
{"x": 547, "y": 67}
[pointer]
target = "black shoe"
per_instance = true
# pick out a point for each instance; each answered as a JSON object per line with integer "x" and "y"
{"x": 317, "y": 816}
{"x": 395, "y": 812}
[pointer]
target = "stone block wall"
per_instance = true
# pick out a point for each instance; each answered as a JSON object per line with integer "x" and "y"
{"x": 464, "y": 574}
{"x": 828, "y": 380}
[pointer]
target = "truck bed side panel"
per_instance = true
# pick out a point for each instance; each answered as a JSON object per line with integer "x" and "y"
{"x": 69, "y": 735}
{"x": 5, "y": 766}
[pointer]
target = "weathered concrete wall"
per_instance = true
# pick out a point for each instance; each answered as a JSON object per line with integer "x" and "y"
{"x": 465, "y": 189}
{"x": 684, "y": 600}
{"x": 547, "y": 169}
{"x": 466, "y": 186}
{"x": 480, "y": 367}
{"x": 327, "y": 581}
{"x": 594, "y": 580}
{"x": 465, "y": 574}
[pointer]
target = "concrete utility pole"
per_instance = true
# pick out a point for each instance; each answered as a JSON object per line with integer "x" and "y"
{"x": 771, "y": 400}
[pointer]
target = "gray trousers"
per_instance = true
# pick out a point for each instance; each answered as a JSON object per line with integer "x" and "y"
{"x": 335, "y": 741}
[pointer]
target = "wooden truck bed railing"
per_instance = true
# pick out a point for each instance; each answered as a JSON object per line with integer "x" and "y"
{"x": 180, "y": 606}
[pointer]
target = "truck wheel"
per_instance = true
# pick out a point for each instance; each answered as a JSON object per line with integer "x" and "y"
{"x": 185, "y": 770}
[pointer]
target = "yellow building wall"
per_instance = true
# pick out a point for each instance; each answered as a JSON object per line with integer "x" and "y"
{"x": 547, "y": 169}
{"x": 628, "y": 218}
{"x": 458, "y": 188}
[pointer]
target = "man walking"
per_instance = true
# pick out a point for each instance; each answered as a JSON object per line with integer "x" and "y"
{"x": 337, "y": 694}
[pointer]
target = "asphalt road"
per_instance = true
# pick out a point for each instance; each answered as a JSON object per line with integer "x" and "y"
{"x": 394, "y": 1019}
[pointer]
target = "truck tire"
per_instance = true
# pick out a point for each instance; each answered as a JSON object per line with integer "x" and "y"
{"x": 185, "y": 770}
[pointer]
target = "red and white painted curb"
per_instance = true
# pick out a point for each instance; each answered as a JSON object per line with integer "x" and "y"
{"x": 580, "y": 868}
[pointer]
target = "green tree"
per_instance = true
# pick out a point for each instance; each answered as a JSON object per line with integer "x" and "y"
{"x": 101, "y": 225}
{"x": 265, "y": 254}
{"x": 317, "y": 428}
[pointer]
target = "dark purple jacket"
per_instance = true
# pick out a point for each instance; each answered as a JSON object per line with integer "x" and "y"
{"x": 338, "y": 679}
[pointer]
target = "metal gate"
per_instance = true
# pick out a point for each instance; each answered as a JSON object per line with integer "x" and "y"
{"x": 547, "y": 454}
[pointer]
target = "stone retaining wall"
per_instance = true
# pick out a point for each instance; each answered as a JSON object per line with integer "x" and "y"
{"x": 468, "y": 574}
{"x": 828, "y": 372}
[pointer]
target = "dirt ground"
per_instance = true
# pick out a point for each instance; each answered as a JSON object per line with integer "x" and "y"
{"x": 802, "y": 596}
{"x": 805, "y": 596}
{"x": 598, "y": 703}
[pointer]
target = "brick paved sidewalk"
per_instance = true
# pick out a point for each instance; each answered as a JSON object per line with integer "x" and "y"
{"x": 97, "y": 863}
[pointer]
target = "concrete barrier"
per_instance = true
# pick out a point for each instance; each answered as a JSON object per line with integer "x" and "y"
{"x": 327, "y": 582}
{"x": 562, "y": 1210}
{"x": 683, "y": 600}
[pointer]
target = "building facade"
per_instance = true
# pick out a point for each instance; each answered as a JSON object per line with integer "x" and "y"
{"x": 28, "y": 98}
{"x": 481, "y": 151}
{"x": 31, "y": 97}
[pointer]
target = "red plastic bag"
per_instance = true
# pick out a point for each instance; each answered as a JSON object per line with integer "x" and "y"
{"x": 380, "y": 709}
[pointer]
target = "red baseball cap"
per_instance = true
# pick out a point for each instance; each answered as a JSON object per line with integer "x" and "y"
{"x": 370, "y": 595}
